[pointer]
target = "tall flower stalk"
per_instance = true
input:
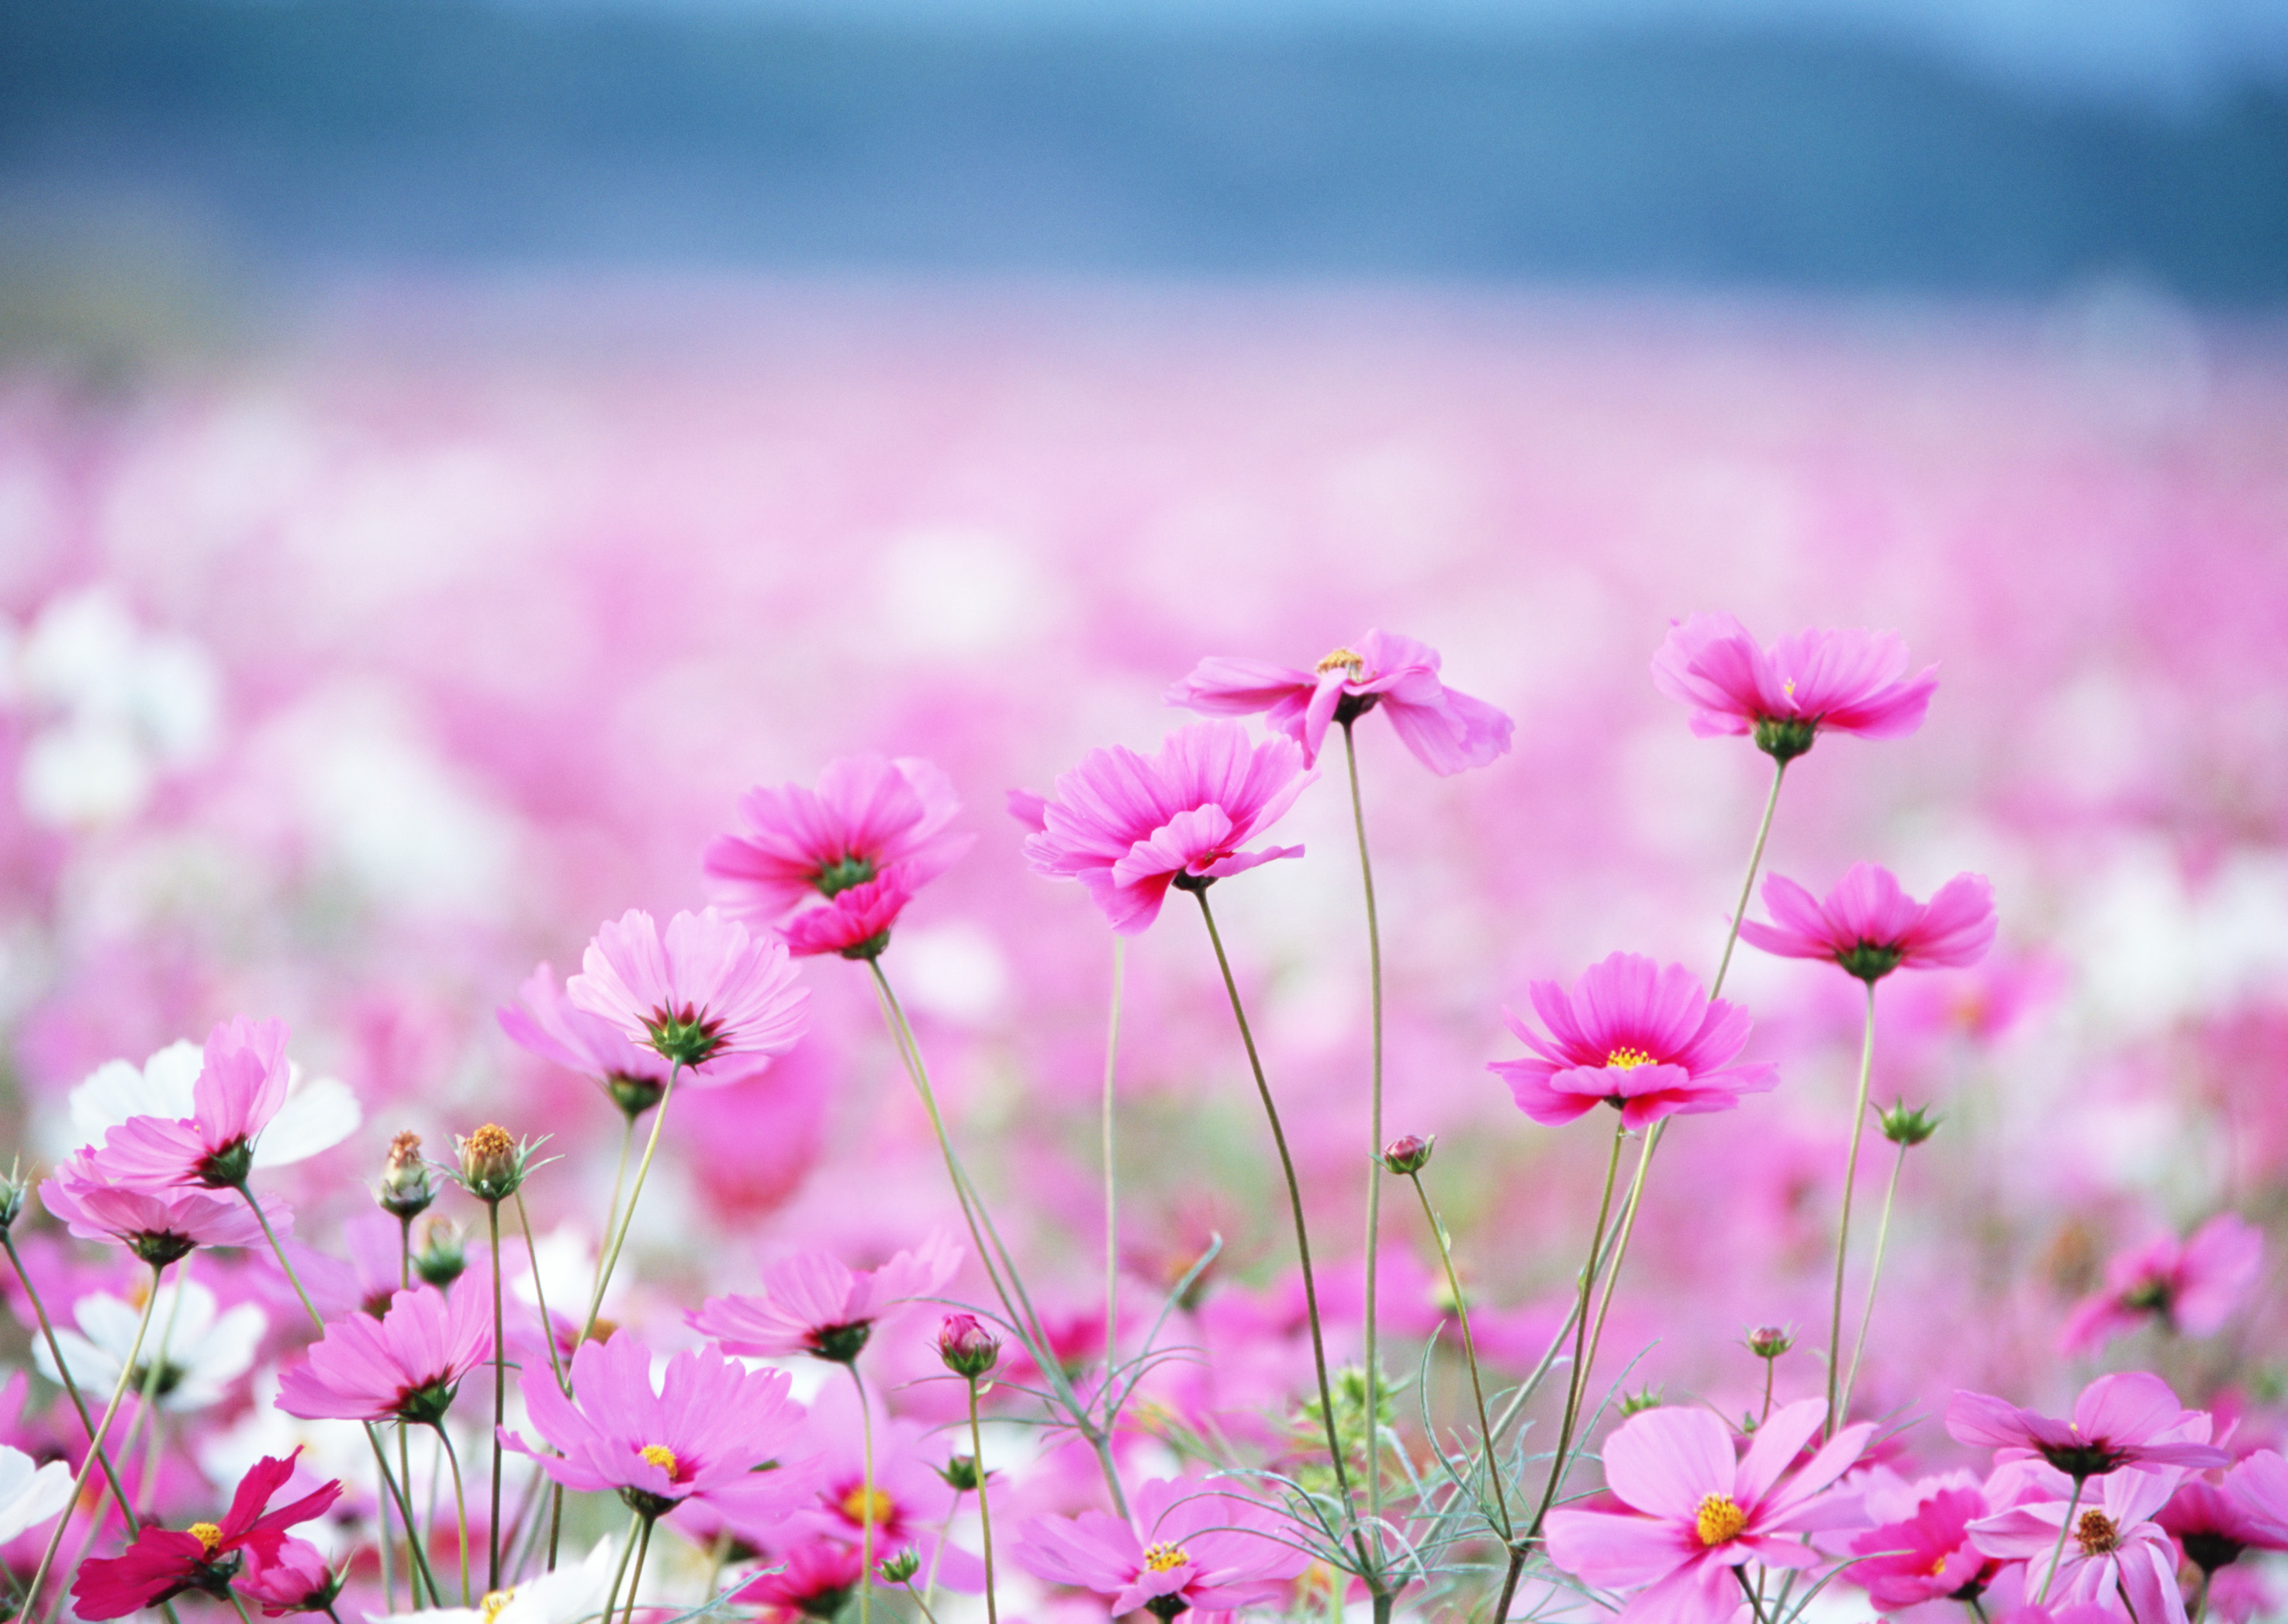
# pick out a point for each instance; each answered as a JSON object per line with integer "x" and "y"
{"x": 1843, "y": 1222}
{"x": 1374, "y": 1166}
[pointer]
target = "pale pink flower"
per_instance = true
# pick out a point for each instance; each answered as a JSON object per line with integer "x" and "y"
{"x": 2128, "y": 1419}
{"x": 1814, "y": 682}
{"x": 544, "y": 1021}
{"x": 240, "y": 1088}
{"x": 1447, "y": 730}
{"x": 1127, "y": 826}
{"x": 1645, "y": 1040}
{"x": 2259, "y": 1486}
{"x": 2192, "y": 1286}
{"x": 867, "y": 814}
{"x": 1699, "y": 1511}
{"x": 2113, "y": 1548}
{"x": 159, "y": 1226}
{"x": 1872, "y": 927}
{"x": 1190, "y": 1547}
{"x": 405, "y": 1366}
{"x": 812, "y": 1302}
{"x": 704, "y": 993}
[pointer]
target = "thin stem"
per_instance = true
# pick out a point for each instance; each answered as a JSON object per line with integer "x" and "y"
{"x": 1112, "y": 1184}
{"x": 1294, "y": 1203}
{"x": 1755, "y": 1602}
{"x": 95, "y": 1447}
{"x": 612, "y": 1210}
{"x": 1628, "y": 1219}
{"x": 627, "y": 1551}
{"x": 2201, "y": 1597}
{"x": 1470, "y": 1354}
{"x": 547, "y": 1326}
{"x": 1874, "y": 1276}
{"x": 1843, "y": 1225}
{"x": 921, "y": 1602}
{"x": 866, "y": 1498}
{"x": 240, "y": 1605}
{"x": 1748, "y": 885}
{"x": 635, "y": 1584}
{"x": 1771, "y": 1366}
{"x": 500, "y": 1402}
{"x": 984, "y": 1512}
{"x": 64, "y": 1375}
{"x": 2058, "y": 1551}
{"x": 1977, "y": 1607}
{"x": 1578, "y": 1381}
{"x": 1373, "y": 1150}
{"x": 628, "y": 1218}
{"x": 460, "y": 1504}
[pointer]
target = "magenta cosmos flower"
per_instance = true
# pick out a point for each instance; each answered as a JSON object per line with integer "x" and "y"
{"x": 715, "y": 1433}
{"x": 1815, "y": 682}
{"x": 866, "y": 817}
{"x": 2113, "y": 1549}
{"x": 1127, "y": 826}
{"x": 240, "y": 1088}
{"x": 2130, "y": 1419}
{"x": 296, "y": 1579}
{"x": 1926, "y": 1555}
{"x": 2213, "y": 1523}
{"x": 1190, "y": 1549}
{"x": 2192, "y": 1287}
{"x": 814, "y": 1302}
{"x": 159, "y": 1226}
{"x": 810, "y": 1581}
{"x": 1871, "y": 927}
{"x": 403, "y": 1367}
{"x": 1699, "y": 1511}
{"x": 165, "y": 1562}
{"x": 1446, "y": 729}
{"x": 704, "y": 993}
{"x": 1644, "y": 1040}
{"x": 856, "y": 923}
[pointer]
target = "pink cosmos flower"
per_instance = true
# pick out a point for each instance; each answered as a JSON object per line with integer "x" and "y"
{"x": 1815, "y": 682}
{"x": 2259, "y": 1486}
{"x": 1446, "y": 729}
{"x": 909, "y": 1502}
{"x": 1189, "y": 1548}
{"x": 868, "y": 815}
{"x": 1927, "y": 1556}
{"x": 715, "y": 1434}
{"x": 1872, "y": 927}
{"x": 810, "y": 1581}
{"x": 2129, "y": 1419}
{"x": 2213, "y": 1523}
{"x": 165, "y": 1562}
{"x": 239, "y": 1089}
{"x": 1127, "y": 826}
{"x": 1698, "y": 1510}
{"x": 2192, "y": 1287}
{"x": 1638, "y": 1037}
{"x": 159, "y": 1226}
{"x": 856, "y": 923}
{"x": 814, "y": 1303}
{"x": 2113, "y": 1546}
{"x": 2073, "y": 1613}
{"x": 705, "y": 992}
{"x": 403, "y": 1366}
{"x": 294, "y": 1579}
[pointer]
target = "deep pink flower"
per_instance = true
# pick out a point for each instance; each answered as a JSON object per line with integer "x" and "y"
{"x": 1815, "y": 682}
{"x": 2113, "y": 1548}
{"x": 2192, "y": 1287}
{"x": 1126, "y": 826}
{"x": 1190, "y": 1547}
{"x": 165, "y": 1562}
{"x": 2072, "y": 1613}
{"x": 2259, "y": 1485}
{"x": 1927, "y": 1556}
{"x": 705, "y": 992}
{"x": 1446, "y": 729}
{"x": 867, "y": 815}
{"x": 814, "y": 1302}
{"x": 1647, "y": 1040}
{"x": 239, "y": 1089}
{"x": 909, "y": 1500}
{"x": 1698, "y": 1509}
{"x": 1871, "y": 927}
{"x": 2214, "y": 1523}
{"x": 159, "y": 1226}
{"x": 2129, "y": 1419}
{"x": 810, "y": 1581}
{"x": 404, "y": 1366}
{"x": 706, "y": 1437}
{"x": 856, "y": 923}
{"x": 295, "y": 1579}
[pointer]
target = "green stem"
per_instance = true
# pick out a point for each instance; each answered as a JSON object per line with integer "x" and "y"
{"x": 548, "y": 1326}
{"x": 64, "y": 1375}
{"x": 1843, "y": 1225}
{"x": 635, "y": 1584}
{"x": 240, "y": 1605}
{"x": 1112, "y": 1187}
{"x": 1755, "y": 1602}
{"x": 1470, "y": 1354}
{"x": 1771, "y": 1366}
{"x": 2058, "y": 1551}
{"x": 460, "y": 1504}
{"x": 1373, "y": 1154}
{"x": 627, "y": 1551}
{"x": 1748, "y": 885}
{"x": 984, "y": 1513}
{"x": 1874, "y": 1276}
{"x": 612, "y": 1210}
{"x": 866, "y": 1498}
{"x": 628, "y": 1218}
{"x": 500, "y": 1400}
{"x": 2201, "y": 1597}
{"x": 1977, "y": 1608}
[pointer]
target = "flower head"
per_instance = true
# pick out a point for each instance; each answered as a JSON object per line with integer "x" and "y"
{"x": 1189, "y": 1547}
{"x": 814, "y": 1302}
{"x": 1871, "y": 927}
{"x": 294, "y": 1579}
{"x": 1926, "y": 1555}
{"x": 810, "y": 1581}
{"x": 165, "y": 1562}
{"x": 1698, "y": 1509}
{"x": 2112, "y": 1546}
{"x": 405, "y": 1190}
{"x": 703, "y": 992}
{"x": 1447, "y": 730}
{"x": 159, "y": 1226}
{"x": 494, "y": 1164}
{"x": 239, "y": 1088}
{"x": 191, "y": 1355}
{"x": 1815, "y": 682}
{"x": 405, "y": 1366}
{"x": 856, "y": 923}
{"x": 867, "y": 816}
{"x": 2192, "y": 1287}
{"x": 966, "y": 1347}
{"x": 2130, "y": 1419}
{"x": 1127, "y": 826}
{"x": 2213, "y": 1523}
{"x": 1645, "y": 1040}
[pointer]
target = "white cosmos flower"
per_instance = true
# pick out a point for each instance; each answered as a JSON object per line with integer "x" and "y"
{"x": 564, "y": 1596}
{"x": 30, "y": 1495}
{"x": 197, "y": 1353}
{"x": 317, "y": 1116}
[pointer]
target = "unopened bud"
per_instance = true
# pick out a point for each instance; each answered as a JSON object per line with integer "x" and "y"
{"x": 1636, "y": 1403}
{"x": 898, "y": 1569}
{"x": 405, "y": 1190}
{"x": 442, "y": 1257}
{"x": 967, "y": 1347}
{"x": 1410, "y": 1154}
{"x": 1902, "y": 1127}
{"x": 12, "y": 1197}
{"x": 1768, "y": 1342}
{"x": 960, "y": 1474}
{"x": 492, "y": 1164}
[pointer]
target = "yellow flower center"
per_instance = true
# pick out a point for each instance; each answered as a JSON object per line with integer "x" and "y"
{"x": 1938, "y": 1567}
{"x": 1628, "y": 1059}
{"x": 2096, "y": 1534}
{"x": 1790, "y": 687}
{"x": 493, "y": 1602}
{"x": 868, "y": 1507}
{"x": 1162, "y": 1558}
{"x": 660, "y": 1456}
{"x": 1721, "y": 1519}
{"x": 1340, "y": 658}
{"x": 206, "y": 1534}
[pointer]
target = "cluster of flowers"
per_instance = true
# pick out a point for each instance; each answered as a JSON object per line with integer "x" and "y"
{"x": 809, "y": 1506}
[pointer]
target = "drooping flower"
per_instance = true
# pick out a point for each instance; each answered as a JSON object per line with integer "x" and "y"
{"x": 544, "y": 1021}
{"x": 29, "y": 1494}
{"x": 241, "y": 1085}
{"x": 705, "y": 992}
{"x": 2128, "y": 1419}
{"x": 1643, "y": 1039}
{"x": 165, "y": 1562}
{"x": 810, "y": 1581}
{"x": 2191, "y": 1287}
{"x": 574, "y": 1592}
{"x": 405, "y": 1366}
{"x": 1447, "y": 730}
{"x": 295, "y": 1579}
{"x": 1814, "y": 682}
{"x": 1127, "y": 826}
{"x": 1872, "y": 927}
{"x": 2113, "y": 1548}
{"x": 856, "y": 923}
{"x": 1190, "y": 1548}
{"x": 715, "y": 1433}
{"x": 868, "y": 815}
{"x": 159, "y": 1226}
{"x": 1698, "y": 1509}
{"x": 191, "y": 1354}
{"x": 814, "y": 1302}
{"x": 316, "y": 1114}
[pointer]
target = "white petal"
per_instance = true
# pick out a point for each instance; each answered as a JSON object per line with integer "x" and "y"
{"x": 50, "y": 1491}
{"x": 92, "y": 1367}
{"x": 315, "y": 1117}
{"x": 116, "y": 1091}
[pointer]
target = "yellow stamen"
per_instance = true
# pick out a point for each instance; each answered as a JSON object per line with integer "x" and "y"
{"x": 206, "y": 1534}
{"x": 868, "y": 1507}
{"x": 493, "y": 1602}
{"x": 1162, "y": 1558}
{"x": 1628, "y": 1059}
{"x": 660, "y": 1456}
{"x": 2096, "y": 1534}
{"x": 1938, "y": 1567}
{"x": 1339, "y": 658}
{"x": 1721, "y": 1519}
